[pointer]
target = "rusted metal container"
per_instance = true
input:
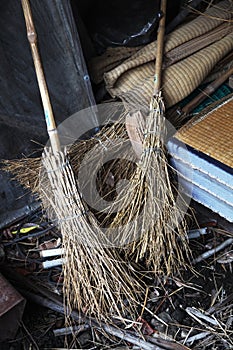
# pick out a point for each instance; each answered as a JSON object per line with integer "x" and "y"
{"x": 11, "y": 310}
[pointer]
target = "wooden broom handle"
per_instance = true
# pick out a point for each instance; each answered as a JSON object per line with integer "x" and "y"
{"x": 160, "y": 46}
{"x": 48, "y": 112}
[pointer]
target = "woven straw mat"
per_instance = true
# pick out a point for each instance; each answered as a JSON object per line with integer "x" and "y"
{"x": 132, "y": 80}
{"x": 212, "y": 134}
{"x": 111, "y": 58}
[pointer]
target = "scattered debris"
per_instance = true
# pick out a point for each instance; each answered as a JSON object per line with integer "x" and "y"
{"x": 211, "y": 252}
{"x": 186, "y": 313}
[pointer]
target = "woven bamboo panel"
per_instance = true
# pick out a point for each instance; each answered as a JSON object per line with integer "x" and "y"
{"x": 212, "y": 134}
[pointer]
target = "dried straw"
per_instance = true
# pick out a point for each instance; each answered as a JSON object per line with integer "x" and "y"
{"x": 147, "y": 226}
{"x": 96, "y": 280}
{"x": 151, "y": 223}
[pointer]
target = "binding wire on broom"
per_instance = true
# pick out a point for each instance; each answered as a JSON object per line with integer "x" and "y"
{"x": 96, "y": 279}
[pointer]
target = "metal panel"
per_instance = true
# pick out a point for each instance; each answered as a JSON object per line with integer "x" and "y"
{"x": 11, "y": 310}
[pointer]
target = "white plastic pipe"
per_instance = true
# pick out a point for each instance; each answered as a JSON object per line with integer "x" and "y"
{"x": 52, "y": 263}
{"x": 51, "y": 252}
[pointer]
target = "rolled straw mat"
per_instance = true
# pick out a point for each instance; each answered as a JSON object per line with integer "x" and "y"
{"x": 132, "y": 80}
{"x": 110, "y": 59}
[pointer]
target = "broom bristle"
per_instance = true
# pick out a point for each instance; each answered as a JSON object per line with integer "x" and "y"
{"x": 96, "y": 280}
{"x": 147, "y": 228}
{"x": 152, "y": 224}
{"x": 148, "y": 225}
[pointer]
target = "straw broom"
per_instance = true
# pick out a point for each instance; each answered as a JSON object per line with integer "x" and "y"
{"x": 159, "y": 244}
{"x": 151, "y": 222}
{"x": 96, "y": 280}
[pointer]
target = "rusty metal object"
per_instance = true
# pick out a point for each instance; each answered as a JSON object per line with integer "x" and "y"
{"x": 11, "y": 310}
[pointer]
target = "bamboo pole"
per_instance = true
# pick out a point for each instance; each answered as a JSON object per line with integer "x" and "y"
{"x": 160, "y": 47}
{"x": 48, "y": 112}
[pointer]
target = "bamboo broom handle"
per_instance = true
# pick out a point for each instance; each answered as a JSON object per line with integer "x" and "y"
{"x": 160, "y": 46}
{"x": 48, "y": 112}
{"x": 207, "y": 92}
